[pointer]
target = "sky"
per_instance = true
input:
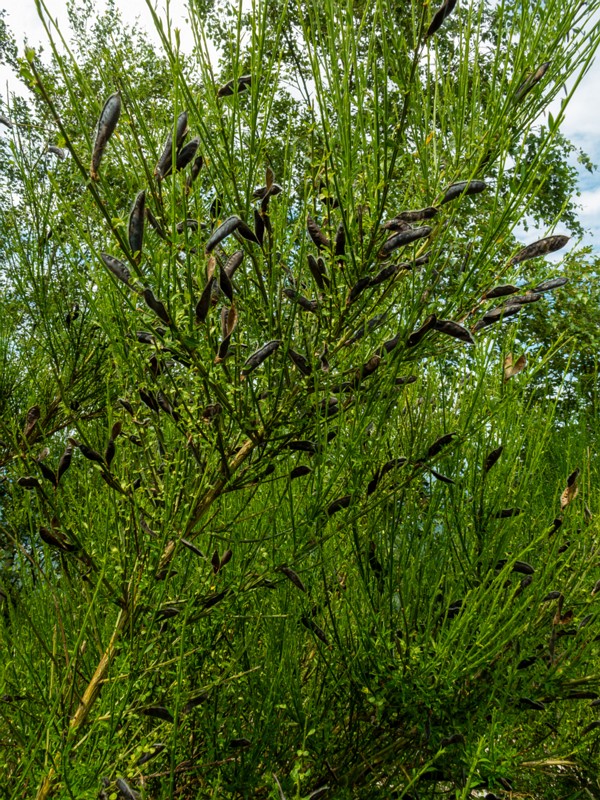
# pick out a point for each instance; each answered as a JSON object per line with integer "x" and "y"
{"x": 581, "y": 125}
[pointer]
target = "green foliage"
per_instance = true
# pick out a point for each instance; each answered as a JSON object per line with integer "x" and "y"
{"x": 275, "y": 524}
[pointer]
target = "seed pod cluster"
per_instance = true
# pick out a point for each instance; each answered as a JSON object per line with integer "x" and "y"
{"x": 165, "y": 162}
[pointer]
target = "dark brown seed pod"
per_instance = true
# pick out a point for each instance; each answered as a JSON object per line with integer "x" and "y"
{"x": 357, "y": 290}
{"x": 442, "y": 478}
{"x": 549, "y": 285}
{"x": 150, "y": 754}
{"x": 156, "y": 306}
{"x": 441, "y": 14}
{"x": 403, "y": 238}
{"x": 386, "y": 273}
{"x": 187, "y": 224}
{"x": 505, "y": 513}
{"x": 525, "y": 663}
{"x": 500, "y": 291}
{"x": 33, "y": 415}
{"x": 154, "y": 223}
{"x": 110, "y": 451}
{"x": 531, "y": 81}
{"x": 303, "y": 446}
{"x": 228, "y": 322}
{"x": 291, "y": 576}
{"x": 535, "y": 705}
{"x": 118, "y": 268}
{"x": 211, "y": 412}
{"x": 540, "y": 248}
{"x": 416, "y": 336}
{"x": 186, "y": 154}
{"x": 367, "y": 369}
{"x": 303, "y": 302}
{"x": 233, "y": 262}
{"x": 236, "y": 744}
{"x": 56, "y": 151}
{"x": 523, "y": 568}
{"x": 127, "y": 406}
{"x": 369, "y": 326}
{"x": 591, "y": 727}
{"x": 56, "y": 539}
{"x": 492, "y": 458}
{"x": 144, "y": 337}
{"x": 225, "y": 284}
{"x": 299, "y": 472}
{"x": 222, "y": 232}
{"x": 166, "y": 406}
{"x": 300, "y": 362}
{"x": 397, "y": 225}
{"x": 311, "y": 625}
{"x": 339, "y": 504}
{"x": 192, "y": 548}
{"x": 523, "y": 299}
{"x": 28, "y": 482}
{"x": 64, "y": 463}
{"x": 246, "y": 232}
{"x": 496, "y": 314}
{"x": 5, "y": 121}
{"x": 242, "y": 83}
{"x": 551, "y": 596}
{"x": 259, "y": 227}
{"x": 90, "y": 454}
{"x": 106, "y": 127}
{"x": 125, "y": 790}
{"x": 194, "y": 172}
{"x": 49, "y": 474}
{"x": 136, "y": 226}
{"x": 226, "y": 558}
{"x": 259, "y": 356}
{"x": 439, "y": 444}
{"x": 415, "y": 216}
{"x": 148, "y": 399}
{"x": 463, "y": 188}
{"x": 317, "y": 270}
{"x": 453, "y": 329}
{"x": 165, "y": 162}
{"x": 194, "y": 701}
{"x": 216, "y": 562}
{"x": 158, "y": 712}
{"x": 316, "y": 234}
{"x": 404, "y": 380}
{"x": 203, "y": 305}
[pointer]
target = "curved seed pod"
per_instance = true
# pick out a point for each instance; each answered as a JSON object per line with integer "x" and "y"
{"x": 224, "y": 230}
{"x": 242, "y": 83}
{"x": 523, "y": 299}
{"x": 496, "y": 314}
{"x": 156, "y": 306}
{"x": 291, "y": 576}
{"x": 225, "y": 284}
{"x": 64, "y": 463}
{"x": 56, "y": 151}
{"x": 311, "y": 625}
{"x": 463, "y": 188}
{"x": 513, "y": 368}
{"x": 403, "y": 238}
{"x": 127, "y": 406}
{"x": 247, "y": 233}
{"x": 531, "y": 81}
{"x": 106, "y": 127}
{"x": 303, "y": 446}
{"x": 357, "y": 290}
{"x": 300, "y": 362}
{"x": 145, "y": 757}
{"x": 299, "y": 472}
{"x": 118, "y": 268}
{"x": 416, "y": 336}
{"x": 442, "y": 478}
{"x": 33, "y": 415}
{"x": 233, "y": 262}
{"x": 339, "y": 504}
{"x": 28, "y": 482}
{"x": 148, "y": 399}
{"x": 500, "y": 291}
{"x": 317, "y": 270}
{"x": 144, "y": 337}
{"x": 316, "y": 234}
{"x": 158, "y": 712}
{"x": 303, "y": 302}
{"x": 194, "y": 172}
{"x": 439, "y": 444}
{"x": 5, "y": 121}
{"x": 523, "y": 568}
{"x": 186, "y": 154}
{"x": 136, "y": 225}
{"x": 451, "y": 328}
{"x": 191, "y": 224}
{"x": 56, "y": 539}
{"x": 492, "y": 458}
{"x": 441, "y": 14}
{"x": 211, "y": 412}
{"x": 226, "y": 558}
{"x": 397, "y": 225}
{"x": 166, "y": 405}
{"x": 525, "y": 663}
{"x": 165, "y": 162}
{"x": 90, "y": 454}
{"x": 203, "y": 305}
{"x": 228, "y": 323}
{"x": 540, "y": 248}
{"x": 259, "y": 227}
{"x": 415, "y": 216}
{"x": 49, "y": 474}
{"x": 110, "y": 451}
{"x": 549, "y": 285}
{"x": 257, "y": 358}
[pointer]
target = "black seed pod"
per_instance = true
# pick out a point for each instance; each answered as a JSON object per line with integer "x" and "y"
{"x": 317, "y": 270}
{"x": 186, "y": 154}
{"x": 316, "y": 234}
{"x": 300, "y": 362}
{"x": 64, "y": 463}
{"x": 257, "y": 358}
{"x": 291, "y": 576}
{"x": 165, "y": 162}
{"x": 416, "y": 336}
{"x": 222, "y": 232}
{"x": 500, "y": 291}
{"x": 339, "y": 504}
{"x": 156, "y": 306}
{"x": 540, "y": 248}
{"x": 463, "y": 188}
{"x": 403, "y": 238}
{"x": 303, "y": 302}
{"x": 203, "y": 305}
{"x": 531, "y": 81}
{"x": 194, "y": 172}
{"x": 136, "y": 226}
{"x": 492, "y": 458}
{"x": 118, "y": 268}
{"x": 441, "y": 14}
{"x": 106, "y": 127}
{"x": 549, "y": 285}
{"x": 453, "y": 329}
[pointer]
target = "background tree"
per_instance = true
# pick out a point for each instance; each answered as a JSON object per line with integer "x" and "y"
{"x": 280, "y": 510}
